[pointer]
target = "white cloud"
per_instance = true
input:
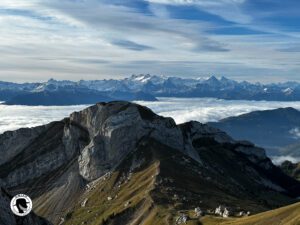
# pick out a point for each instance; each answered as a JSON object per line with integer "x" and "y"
{"x": 41, "y": 38}
{"x": 227, "y": 9}
{"x": 198, "y": 2}
{"x": 159, "y": 11}
{"x": 208, "y": 109}
{"x": 278, "y": 160}
{"x": 295, "y": 132}
{"x": 17, "y": 3}
{"x": 60, "y": 30}
{"x": 31, "y": 116}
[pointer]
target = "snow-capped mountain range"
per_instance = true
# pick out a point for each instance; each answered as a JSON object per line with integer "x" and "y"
{"x": 147, "y": 87}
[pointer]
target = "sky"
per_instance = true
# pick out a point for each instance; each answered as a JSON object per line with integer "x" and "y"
{"x": 255, "y": 40}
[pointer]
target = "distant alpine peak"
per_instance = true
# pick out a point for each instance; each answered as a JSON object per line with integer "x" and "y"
{"x": 213, "y": 77}
{"x": 144, "y": 78}
{"x": 59, "y": 82}
{"x": 212, "y": 80}
{"x": 140, "y": 76}
{"x": 134, "y": 78}
{"x": 288, "y": 91}
{"x": 53, "y": 85}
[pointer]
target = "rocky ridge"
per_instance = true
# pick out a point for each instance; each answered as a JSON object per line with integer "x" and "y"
{"x": 143, "y": 87}
{"x": 108, "y": 144}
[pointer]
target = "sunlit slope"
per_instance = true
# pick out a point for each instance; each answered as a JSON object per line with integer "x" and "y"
{"x": 289, "y": 215}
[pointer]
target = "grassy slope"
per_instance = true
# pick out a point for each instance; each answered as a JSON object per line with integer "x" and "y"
{"x": 99, "y": 209}
{"x": 289, "y": 215}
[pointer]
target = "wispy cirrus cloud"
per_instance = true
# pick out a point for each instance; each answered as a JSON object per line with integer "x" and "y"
{"x": 213, "y": 33}
{"x": 131, "y": 45}
{"x": 227, "y": 9}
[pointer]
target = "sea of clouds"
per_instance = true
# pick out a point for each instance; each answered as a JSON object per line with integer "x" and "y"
{"x": 210, "y": 109}
{"x": 13, "y": 117}
{"x": 181, "y": 109}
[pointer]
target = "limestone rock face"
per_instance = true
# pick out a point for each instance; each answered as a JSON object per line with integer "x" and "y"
{"x": 16, "y": 140}
{"x": 115, "y": 130}
{"x": 46, "y": 152}
{"x": 97, "y": 138}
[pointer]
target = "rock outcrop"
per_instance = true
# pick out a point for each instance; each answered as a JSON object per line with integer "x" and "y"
{"x": 115, "y": 129}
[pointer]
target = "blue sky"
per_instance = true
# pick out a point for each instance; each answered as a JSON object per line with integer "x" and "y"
{"x": 256, "y": 40}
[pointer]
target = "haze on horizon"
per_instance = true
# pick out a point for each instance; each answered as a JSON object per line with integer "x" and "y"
{"x": 255, "y": 40}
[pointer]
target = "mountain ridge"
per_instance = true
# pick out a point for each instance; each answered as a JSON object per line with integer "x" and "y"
{"x": 145, "y": 87}
{"x": 118, "y": 161}
{"x": 274, "y": 129}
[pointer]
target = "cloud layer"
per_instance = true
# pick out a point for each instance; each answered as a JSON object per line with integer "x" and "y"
{"x": 295, "y": 132}
{"x": 209, "y": 109}
{"x": 182, "y": 110}
{"x": 278, "y": 160}
{"x": 74, "y": 39}
{"x": 15, "y": 117}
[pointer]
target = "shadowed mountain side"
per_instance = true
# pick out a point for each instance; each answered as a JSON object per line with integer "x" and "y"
{"x": 68, "y": 94}
{"x": 8, "y": 218}
{"x": 271, "y": 129}
{"x": 62, "y": 97}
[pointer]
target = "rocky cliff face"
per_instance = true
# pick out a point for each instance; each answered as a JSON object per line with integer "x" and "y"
{"x": 115, "y": 129}
{"x": 55, "y": 163}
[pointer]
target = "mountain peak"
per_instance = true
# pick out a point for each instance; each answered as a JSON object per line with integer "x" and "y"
{"x": 212, "y": 81}
{"x": 213, "y": 78}
{"x": 51, "y": 80}
{"x": 225, "y": 79}
{"x": 103, "y": 154}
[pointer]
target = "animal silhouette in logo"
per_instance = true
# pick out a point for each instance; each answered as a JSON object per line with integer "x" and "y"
{"x": 22, "y": 205}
